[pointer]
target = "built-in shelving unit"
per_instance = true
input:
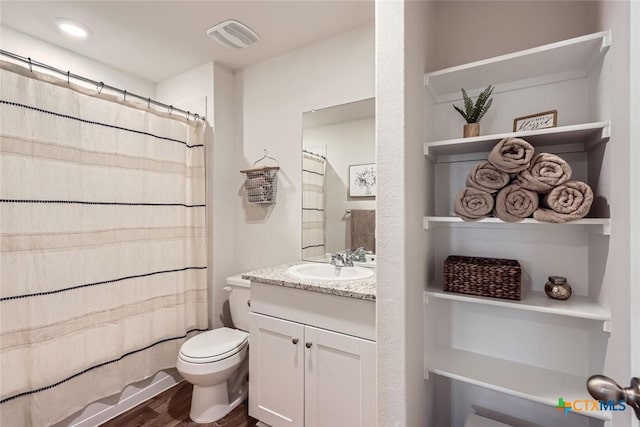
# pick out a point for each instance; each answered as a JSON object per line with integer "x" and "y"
{"x": 564, "y": 60}
{"x": 576, "y": 306}
{"x": 566, "y": 73}
{"x": 599, "y": 225}
{"x": 584, "y": 135}
{"x": 539, "y": 385}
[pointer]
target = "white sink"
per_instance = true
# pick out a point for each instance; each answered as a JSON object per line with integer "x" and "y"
{"x": 329, "y": 272}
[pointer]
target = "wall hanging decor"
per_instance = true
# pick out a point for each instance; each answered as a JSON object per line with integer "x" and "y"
{"x": 548, "y": 119}
{"x": 474, "y": 112}
{"x": 362, "y": 180}
{"x": 261, "y": 183}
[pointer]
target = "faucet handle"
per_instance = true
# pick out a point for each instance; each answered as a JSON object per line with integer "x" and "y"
{"x": 348, "y": 258}
{"x": 359, "y": 254}
{"x": 335, "y": 257}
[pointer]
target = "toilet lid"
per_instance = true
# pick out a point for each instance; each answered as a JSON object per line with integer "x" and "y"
{"x": 213, "y": 345}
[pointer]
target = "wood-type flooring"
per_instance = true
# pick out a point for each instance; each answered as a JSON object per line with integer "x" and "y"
{"x": 171, "y": 408}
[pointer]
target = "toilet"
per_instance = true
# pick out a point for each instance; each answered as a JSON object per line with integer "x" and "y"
{"x": 216, "y": 361}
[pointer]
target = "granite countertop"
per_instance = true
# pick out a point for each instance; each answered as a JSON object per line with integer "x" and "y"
{"x": 277, "y": 275}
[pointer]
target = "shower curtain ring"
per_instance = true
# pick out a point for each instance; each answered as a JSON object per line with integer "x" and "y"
{"x": 170, "y": 109}
{"x": 30, "y": 66}
{"x": 149, "y": 103}
{"x": 68, "y": 74}
{"x": 188, "y": 114}
{"x": 125, "y": 96}
{"x": 100, "y": 87}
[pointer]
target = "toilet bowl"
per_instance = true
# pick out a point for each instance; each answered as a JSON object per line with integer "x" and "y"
{"x": 216, "y": 361}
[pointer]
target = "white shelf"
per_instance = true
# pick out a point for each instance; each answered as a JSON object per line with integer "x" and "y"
{"x": 576, "y": 306}
{"x": 587, "y": 134}
{"x": 517, "y": 379}
{"x": 565, "y": 60}
{"x": 601, "y": 225}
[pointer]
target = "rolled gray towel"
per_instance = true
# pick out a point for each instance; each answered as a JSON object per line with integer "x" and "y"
{"x": 472, "y": 203}
{"x": 546, "y": 172}
{"x": 567, "y": 202}
{"x": 484, "y": 176}
{"x": 514, "y": 203}
{"x": 511, "y": 155}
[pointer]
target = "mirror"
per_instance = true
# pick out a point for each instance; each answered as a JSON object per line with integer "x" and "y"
{"x": 338, "y": 180}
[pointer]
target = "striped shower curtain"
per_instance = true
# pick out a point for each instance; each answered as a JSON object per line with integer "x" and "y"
{"x": 103, "y": 256}
{"x": 313, "y": 198}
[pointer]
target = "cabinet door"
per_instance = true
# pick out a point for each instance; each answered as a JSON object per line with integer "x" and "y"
{"x": 340, "y": 380}
{"x": 276, "y": 383}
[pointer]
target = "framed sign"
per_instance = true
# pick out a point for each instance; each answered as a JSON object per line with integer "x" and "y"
{"x": 362, "y": 180}
{"x": 548, "y": 119}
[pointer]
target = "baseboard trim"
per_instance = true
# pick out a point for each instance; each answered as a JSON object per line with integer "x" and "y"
{"x": 97, "y": 418}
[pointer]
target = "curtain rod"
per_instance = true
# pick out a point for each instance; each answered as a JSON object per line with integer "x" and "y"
{"x": 100, "y": 85}
{"x": 314, "y": 154}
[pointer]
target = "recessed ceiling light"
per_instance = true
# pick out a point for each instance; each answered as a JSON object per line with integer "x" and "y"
{"x": 72, "y": 28}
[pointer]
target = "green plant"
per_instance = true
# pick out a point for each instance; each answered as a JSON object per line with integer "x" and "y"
{"x": 473, "y": 113}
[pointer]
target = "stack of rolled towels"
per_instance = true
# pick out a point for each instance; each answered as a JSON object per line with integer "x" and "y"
{"x": 514, "y": 183}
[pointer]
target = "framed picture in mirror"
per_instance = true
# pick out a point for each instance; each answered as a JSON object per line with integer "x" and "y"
{"x": 362, "y": 180}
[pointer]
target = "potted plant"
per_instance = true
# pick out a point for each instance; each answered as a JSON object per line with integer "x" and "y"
{"x": 473, "y": 113}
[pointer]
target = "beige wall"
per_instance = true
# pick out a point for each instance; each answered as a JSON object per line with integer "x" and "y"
{"x": 274, "y": 94}
{"x": 467, "y": 31}
{"x": 634, "y": 159}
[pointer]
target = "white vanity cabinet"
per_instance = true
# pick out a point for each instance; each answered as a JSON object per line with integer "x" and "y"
{"x": 276, "y": 369}
{"x": 311, "y": 358}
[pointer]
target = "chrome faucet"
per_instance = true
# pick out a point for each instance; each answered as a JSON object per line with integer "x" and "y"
{"x": 345, "y": 259}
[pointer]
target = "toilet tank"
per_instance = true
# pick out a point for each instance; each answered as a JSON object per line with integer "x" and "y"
{"x": 239, "y": 301}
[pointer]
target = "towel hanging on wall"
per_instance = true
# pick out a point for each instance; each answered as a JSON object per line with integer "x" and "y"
{"x": 363, "y": 227}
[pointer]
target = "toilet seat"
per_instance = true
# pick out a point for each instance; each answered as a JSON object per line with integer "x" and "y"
{"x": 213, "y": 346}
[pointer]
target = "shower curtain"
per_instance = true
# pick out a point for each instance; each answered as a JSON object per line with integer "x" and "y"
{"x": 313, "y": 197}
{"x": 103, "y": 255}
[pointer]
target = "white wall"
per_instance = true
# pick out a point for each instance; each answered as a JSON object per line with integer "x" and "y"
{"x": 191, "y": 91}
{"x": 347, "y": 143}
{"x": 391, "y": 277}
{"x": 226, "y": 152}
{"x": 41, "y": 51}
{"x": 617, "y": 187}
{"x": 274, "y": 94}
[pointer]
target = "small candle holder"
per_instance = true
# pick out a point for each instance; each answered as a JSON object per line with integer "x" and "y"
{"x": 558, "y": 288}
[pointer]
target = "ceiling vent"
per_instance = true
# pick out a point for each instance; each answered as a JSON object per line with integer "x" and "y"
{"x": 233, "y": 34}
